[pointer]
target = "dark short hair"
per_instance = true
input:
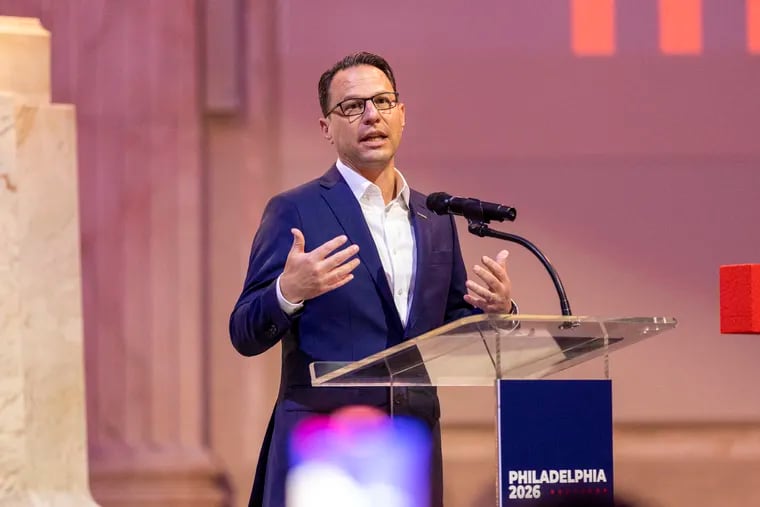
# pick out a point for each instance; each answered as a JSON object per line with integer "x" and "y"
{"x": 360, "y": 58}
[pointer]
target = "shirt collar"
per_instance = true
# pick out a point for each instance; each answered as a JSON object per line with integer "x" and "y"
{"x": 359, "y": 184}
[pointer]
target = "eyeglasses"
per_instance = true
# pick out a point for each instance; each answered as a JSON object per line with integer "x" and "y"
{"x": 354, "y": 107}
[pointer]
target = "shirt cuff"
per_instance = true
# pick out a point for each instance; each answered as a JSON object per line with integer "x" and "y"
{"x": 285, "y": 305}
{"x": 514, "y": 310}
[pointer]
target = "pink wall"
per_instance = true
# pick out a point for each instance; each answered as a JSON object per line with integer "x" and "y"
{"x": 637, "y": 173}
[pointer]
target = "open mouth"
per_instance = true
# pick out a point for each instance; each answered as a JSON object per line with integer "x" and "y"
{"x": 373, "y": 138}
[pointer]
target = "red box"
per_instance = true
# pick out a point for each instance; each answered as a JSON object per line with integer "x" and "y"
{"x": 740, "y": 298}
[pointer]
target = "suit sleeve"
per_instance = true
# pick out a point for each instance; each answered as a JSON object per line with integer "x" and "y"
{"x": 257, "y": 321}
{"x": 456, "y": 306}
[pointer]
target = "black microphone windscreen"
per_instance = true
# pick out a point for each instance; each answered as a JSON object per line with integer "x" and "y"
{"x": 438, "y": 202}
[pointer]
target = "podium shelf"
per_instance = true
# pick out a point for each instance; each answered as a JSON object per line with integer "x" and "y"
{"x": 480, "y": 349}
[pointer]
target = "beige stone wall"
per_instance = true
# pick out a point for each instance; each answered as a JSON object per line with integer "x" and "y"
{"x": 42, "y": 425}
{"x": 12, "y": 383}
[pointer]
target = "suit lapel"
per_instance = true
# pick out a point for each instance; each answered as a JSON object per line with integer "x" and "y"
{"x": 423, "y": 231}
{"x": 348, "y": 212}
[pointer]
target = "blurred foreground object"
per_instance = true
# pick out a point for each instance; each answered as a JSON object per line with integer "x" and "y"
{"x": 359, "y": 457}
{"x": 43, "y": 447}
{"x": 740, "y": 298}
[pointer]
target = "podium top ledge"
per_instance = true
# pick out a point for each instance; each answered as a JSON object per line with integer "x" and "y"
{"x": 479, "y": 349}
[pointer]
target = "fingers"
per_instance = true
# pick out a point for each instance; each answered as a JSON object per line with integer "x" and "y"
{"x": 493, "y": 294}
{"x": 340, "y": 257}
{"x": 307, "y": 275}
{"x": 480, "y": 291}
{"x": 298, "y": 241}
{"x": 489, "y": 304}
{"x": 497, "y": 271}
{"x": 343, "y": 271}
{"x": 492, "y": 282}
{"x": 340, "y": 283}
{"x": 476, "y": 302}
{"x": 324, "y": 249}
{"x": 501, "y": 258}
{"x": 483, "y": 304}
{"x": 326, "y": 262}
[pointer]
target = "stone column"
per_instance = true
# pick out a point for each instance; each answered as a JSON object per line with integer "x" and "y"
{"x": 43, "y": 454}
{"x": 136, "y": 86}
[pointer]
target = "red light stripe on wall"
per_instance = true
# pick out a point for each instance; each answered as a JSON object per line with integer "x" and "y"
{"x": 680, "y": 26}
{"x": 753, "y": 26}
{"x": 593, "y": 27}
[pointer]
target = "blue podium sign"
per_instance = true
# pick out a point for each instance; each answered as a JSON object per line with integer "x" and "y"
{"x": 555, "y": 440}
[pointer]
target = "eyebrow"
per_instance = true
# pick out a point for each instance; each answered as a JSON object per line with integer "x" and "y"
{"x": 349, "y": 97}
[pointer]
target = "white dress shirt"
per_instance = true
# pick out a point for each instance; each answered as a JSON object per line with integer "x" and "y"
{"x": 393, "y": 235}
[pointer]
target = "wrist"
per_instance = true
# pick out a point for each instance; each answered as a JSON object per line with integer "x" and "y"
{"x": 286, "y": 291}
{"x": 286, "y": 305}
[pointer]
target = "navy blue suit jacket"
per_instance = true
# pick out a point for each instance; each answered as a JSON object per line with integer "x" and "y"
{"x": 346, "y": 324}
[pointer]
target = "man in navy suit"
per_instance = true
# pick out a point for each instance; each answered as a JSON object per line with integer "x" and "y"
{"x": 351, "y": 263}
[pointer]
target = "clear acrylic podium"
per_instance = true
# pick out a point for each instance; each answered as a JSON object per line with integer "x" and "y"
{"x": 554, "y": 437}
{"x": 481, "y": 349}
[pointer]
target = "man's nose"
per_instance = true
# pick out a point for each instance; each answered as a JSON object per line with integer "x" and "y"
{"x": 370, "y": 114}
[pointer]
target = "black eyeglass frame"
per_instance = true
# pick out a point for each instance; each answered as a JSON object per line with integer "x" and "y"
{"x": 340, "y": 104}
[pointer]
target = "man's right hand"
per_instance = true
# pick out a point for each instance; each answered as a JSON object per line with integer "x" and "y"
{"x": 308, "y": 275}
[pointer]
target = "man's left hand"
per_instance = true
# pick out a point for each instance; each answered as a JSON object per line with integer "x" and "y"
{"x": 494, "y": 294}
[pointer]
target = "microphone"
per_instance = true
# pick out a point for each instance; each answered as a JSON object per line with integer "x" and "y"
{"x": 442, "y": 203}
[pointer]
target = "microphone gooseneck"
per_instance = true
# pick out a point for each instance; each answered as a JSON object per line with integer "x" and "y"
{"x": 482, "y": 230}
{"x": 478, "y": 214}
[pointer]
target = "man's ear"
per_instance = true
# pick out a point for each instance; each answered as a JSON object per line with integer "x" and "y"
{"x": 324, "y": 125}
{"x": 402, "y": 107}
